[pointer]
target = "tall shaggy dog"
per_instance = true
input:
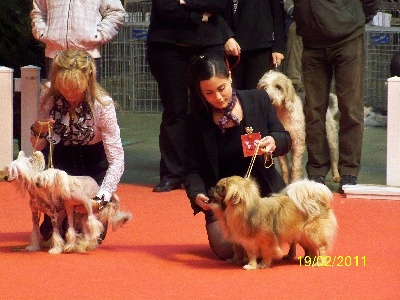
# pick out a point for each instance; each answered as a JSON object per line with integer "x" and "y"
{"x": 289, "y": 109}
{"x": 57, "y": 200}
{"x": 301, "y": 213}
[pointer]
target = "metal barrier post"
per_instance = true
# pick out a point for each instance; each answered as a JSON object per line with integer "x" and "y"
{"x": 30, "y": 92}
{"x": 6, "y": 107}
{"x": 393, "y": 129}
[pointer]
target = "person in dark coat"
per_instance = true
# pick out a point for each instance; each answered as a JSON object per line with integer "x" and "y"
{"x": 259, "y": 41}
{"x": 333, "y": 48}
{"x": 220, "y": 115}
{"x": 179, "y": 30}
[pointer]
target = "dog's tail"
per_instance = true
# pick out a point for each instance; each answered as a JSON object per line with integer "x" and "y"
{"x": 308, "y": 196}
{"x": 113, "y": 214}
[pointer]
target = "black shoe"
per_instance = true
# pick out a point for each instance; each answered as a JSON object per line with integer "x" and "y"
{"x": 346, "y": 180}
{"x": 166, "y": 186}
{"x": 317, "y": 178}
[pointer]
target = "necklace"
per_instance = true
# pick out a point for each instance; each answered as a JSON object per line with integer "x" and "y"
{"x": 227, "y": 113}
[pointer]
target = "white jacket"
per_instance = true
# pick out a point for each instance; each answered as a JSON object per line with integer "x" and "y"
{"x": 82, "y": 24}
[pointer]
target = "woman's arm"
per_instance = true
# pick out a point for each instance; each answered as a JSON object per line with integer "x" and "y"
{"x": 39, "y": 18}
{"x": 192, "y": 178}
{"x": 113, "y": 15}
{"x": 110, "y": 134}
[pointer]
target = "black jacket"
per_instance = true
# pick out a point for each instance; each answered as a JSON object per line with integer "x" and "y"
{"x": 258, "y": 24}
{"x": 173, "y": 23}
{"x": 323, "y": 23}
{"x": 201, "y": 153}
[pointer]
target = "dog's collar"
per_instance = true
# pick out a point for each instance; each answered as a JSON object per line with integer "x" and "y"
{"x": 101, "y": 201}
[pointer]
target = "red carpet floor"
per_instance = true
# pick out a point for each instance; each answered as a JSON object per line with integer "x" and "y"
{"x": 163, "y": 253}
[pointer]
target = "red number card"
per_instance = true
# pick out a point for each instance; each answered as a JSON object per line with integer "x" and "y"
{"x": 249, "y": 143}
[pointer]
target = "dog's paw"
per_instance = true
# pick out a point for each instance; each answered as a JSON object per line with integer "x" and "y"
{"x": 250, "y": 267}
{"x": 32, "y": 248}
{"x": 69, "y": 247}
{"x": 261, "y": 265}
{"x": 55, "y": 250}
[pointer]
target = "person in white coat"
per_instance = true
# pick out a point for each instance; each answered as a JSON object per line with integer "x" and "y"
{"x": 75, "y": 24}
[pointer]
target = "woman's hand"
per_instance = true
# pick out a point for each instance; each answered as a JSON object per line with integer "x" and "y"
{"x": 203, "y": 201}
{"x": 277, "y": 58}
{"x": 42, "y": 126}
{"x": 232, "y": 47}
{"x": 267, "y": 144}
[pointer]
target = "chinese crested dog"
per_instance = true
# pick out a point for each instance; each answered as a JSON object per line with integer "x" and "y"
{"x": 56, "y": 194}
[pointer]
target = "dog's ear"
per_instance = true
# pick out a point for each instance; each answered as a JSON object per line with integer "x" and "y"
{"x": 232, "y": 195}
{"x": 234, "y": 190}
{"x": 289, "y": 94}
{"x": 37, "y": 161}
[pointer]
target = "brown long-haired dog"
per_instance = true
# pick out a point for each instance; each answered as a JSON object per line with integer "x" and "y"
{"x": 301, "y": 213}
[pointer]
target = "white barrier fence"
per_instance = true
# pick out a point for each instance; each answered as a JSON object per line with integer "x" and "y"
{"x": 6, "y": 107}
{"x": 393, "y": 129}
{"x": 29, "y": 86}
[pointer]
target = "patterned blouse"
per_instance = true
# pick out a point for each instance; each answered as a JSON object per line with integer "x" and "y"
{"x": 88, "y": 128}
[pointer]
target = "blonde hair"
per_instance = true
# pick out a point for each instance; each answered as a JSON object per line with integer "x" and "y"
{"x": 75, "y": 69}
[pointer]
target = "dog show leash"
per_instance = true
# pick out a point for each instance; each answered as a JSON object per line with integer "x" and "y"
{"x": 49, "y": 137}
{"x": 268, "y": 157}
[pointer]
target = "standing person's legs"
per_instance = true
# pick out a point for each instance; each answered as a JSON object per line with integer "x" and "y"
{"x": 349, "y": 70}
{"x": 256, "y": 64}
{"x": 294, "y": 46}
{"x": 252, "y": 66}
{"x": 169, "y": 66}
{"x": 317, "y": 72}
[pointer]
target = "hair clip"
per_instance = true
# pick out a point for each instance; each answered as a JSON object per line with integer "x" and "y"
{"x": 88, "y": 57}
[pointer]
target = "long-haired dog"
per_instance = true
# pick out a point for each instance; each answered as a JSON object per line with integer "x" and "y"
{"x": 80, "y": 190}
{"x": 29, "y": 173}
{"x": 289, "y": 108}
{"x": 301, "y": 213}
{"x": 23, "y": 170}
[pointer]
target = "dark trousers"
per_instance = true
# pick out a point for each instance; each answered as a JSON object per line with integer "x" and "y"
{"x": 253, "y": 64}
{"x": 346, "y": 64}
{"x": 169, "y": 64}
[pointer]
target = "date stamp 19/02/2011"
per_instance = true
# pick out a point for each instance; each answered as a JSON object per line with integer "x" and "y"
{"x": 333, "y": 261}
